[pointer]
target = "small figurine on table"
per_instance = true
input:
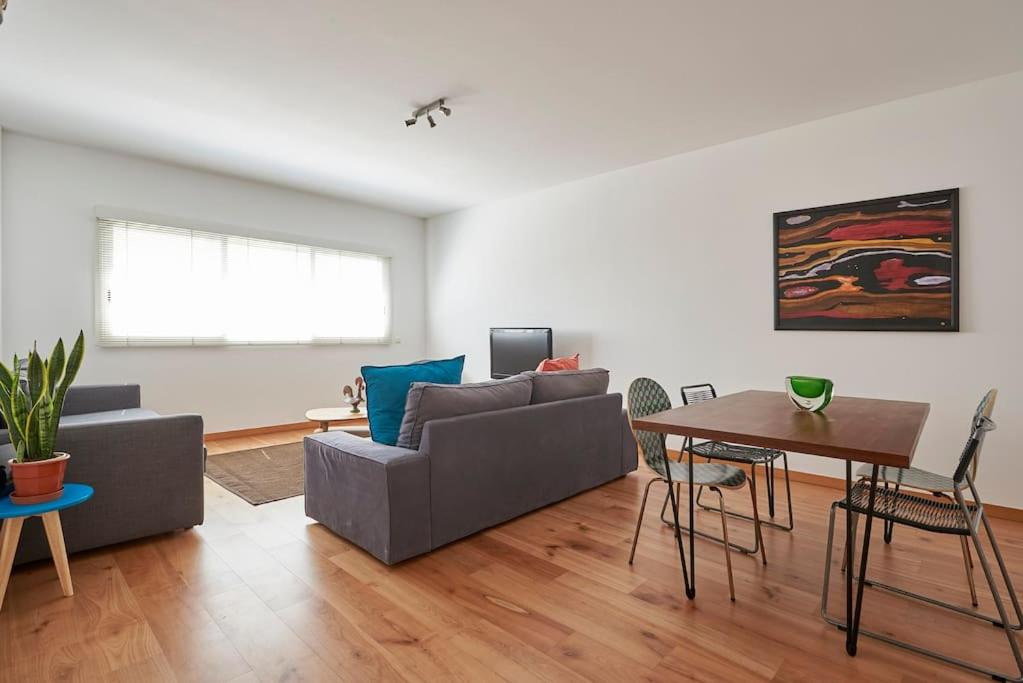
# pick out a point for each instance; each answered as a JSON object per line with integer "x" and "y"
{"x": 352, "y": 398}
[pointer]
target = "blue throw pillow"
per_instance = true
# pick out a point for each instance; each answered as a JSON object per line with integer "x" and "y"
{"x": 387, "y": 388}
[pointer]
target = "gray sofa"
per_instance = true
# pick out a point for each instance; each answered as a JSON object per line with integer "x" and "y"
{"x": 146, "y": 469}
{"x": 469, "y": 471}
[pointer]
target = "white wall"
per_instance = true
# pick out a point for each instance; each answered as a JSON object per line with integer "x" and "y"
{"x": 49, "y": 194}
{"x": 665, "y": 269}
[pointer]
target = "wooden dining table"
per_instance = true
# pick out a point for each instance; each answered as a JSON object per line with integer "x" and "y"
{"x": 874, "y": 431}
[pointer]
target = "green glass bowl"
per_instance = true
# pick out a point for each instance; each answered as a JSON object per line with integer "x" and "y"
{"x": 809, "y": 393}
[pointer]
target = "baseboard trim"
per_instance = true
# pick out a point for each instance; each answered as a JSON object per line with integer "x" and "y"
{"x": 256, "y": 431}
{"x": 995, "y": 511}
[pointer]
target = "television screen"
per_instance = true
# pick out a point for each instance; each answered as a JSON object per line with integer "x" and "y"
{"x": 517, "y": 349}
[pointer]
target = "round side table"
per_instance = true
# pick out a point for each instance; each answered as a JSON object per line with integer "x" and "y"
{"x": 345, "y": 416}
{"x": 15, "y": 515}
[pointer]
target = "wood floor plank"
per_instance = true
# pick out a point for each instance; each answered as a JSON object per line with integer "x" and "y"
{"x": 264, "y": 594}
{"x": 194, "y": 647}
{"x": 350, "y": 653}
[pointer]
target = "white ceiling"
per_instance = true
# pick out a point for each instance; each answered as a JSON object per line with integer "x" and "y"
{"x": 312, "y": 94}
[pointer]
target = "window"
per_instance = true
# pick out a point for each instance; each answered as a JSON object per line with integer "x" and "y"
{"x": 165, "y": 286}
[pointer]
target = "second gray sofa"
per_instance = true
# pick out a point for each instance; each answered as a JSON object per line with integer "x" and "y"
{"x": 146, "y": 470}
{"x": 470, "y": 471}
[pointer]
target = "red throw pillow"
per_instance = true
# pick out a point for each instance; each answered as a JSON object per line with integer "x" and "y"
{"x": 555, "y": 364}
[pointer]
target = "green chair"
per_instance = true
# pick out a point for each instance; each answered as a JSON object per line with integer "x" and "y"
{"x": 647, "y": 397}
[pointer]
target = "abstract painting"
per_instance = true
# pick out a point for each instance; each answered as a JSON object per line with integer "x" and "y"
{"x": 883, "y": 264}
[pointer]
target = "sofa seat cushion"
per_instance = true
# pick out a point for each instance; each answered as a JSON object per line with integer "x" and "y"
{"x": 566, "y": 384}
{"x": 387, "y": 389}
{"x": 108, "y": 416}
{"x": 427, "y": 401}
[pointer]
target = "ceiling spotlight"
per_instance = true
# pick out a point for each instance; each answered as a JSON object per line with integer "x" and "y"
{"x": 436, "y": 105}
{"x": 3, "y": 6}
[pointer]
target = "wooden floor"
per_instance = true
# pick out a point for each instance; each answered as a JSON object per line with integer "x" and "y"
{"x": 264, "y": 594}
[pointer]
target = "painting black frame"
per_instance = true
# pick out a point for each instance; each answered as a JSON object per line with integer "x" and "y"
{"x": 952, "y": 194}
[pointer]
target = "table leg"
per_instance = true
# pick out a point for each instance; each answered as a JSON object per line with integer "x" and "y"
{"x": 324, "y": 427}
{"x": 691, "y": 592}
{"x": 8, "y": 546}
{"x": 854, "y": 625}
{"x": 55, "y": 537}
{"x": 850, "y": 538}
{"x": 678, "y": 530}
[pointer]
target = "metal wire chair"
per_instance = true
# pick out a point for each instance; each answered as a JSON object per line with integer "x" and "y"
{"x": 747, "y": 455}
{"x": 647, "y": 397}
{"x": 937, "y": 484}
{"x": 950, "y": 516}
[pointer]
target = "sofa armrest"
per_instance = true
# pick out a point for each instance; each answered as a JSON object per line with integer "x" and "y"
{"x": 147, "y": 475}
{"x": 366, "y": 449}
{"x": 376, "y": 496}
{"x": 630, "y": 449}
{"x": 98, "y": 398}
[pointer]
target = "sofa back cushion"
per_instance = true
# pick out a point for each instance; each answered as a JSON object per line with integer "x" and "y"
{"x": 566, "y": 384}
{"x": 428, "y": 401}
{"x": 387, "y": 388}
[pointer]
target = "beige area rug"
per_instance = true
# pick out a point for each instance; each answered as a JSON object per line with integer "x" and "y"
{"x": 260, "y": 475}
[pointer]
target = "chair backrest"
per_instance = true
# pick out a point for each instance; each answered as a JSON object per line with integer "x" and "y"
{"x": 647, "y": 397}
{"x": 694, "y": 393}
{"x": 984, "y": 409}
{"x": 981, "y": 425}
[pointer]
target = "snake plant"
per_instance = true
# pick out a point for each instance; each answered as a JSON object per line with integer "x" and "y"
{"x": 32, "y": 407}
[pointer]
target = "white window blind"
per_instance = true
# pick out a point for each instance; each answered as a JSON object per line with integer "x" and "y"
{"x": 166, "y": 286}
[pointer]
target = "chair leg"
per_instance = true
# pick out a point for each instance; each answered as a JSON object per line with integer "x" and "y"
{"x": 639, "y": 520}
{"x": 756, "y": 515}
{"x": 1001, "y": 622}
{"x": 724, "y": 535}
{"x": 1005, "y": 576}
{"x": 787, "y": 526}
{"x": 855, "y": 523}
{"x": 968, "y": 564}
{"x": 769, "y": 478}
{"x": 999, "y": 605}
{"x": 757, "y": 543}
{"x": 889, "y": 526}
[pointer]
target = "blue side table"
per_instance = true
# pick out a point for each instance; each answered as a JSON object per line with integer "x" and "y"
{"x": 15, "y": 515}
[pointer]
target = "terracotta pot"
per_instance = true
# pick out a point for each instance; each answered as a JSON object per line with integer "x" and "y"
{"x": 35, "y": 482}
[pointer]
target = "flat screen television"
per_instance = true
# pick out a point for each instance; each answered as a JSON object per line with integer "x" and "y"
{"x": 517, "y": 349}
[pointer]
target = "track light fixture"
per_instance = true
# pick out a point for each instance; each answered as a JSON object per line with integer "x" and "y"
{"x": 436, "y": 105}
